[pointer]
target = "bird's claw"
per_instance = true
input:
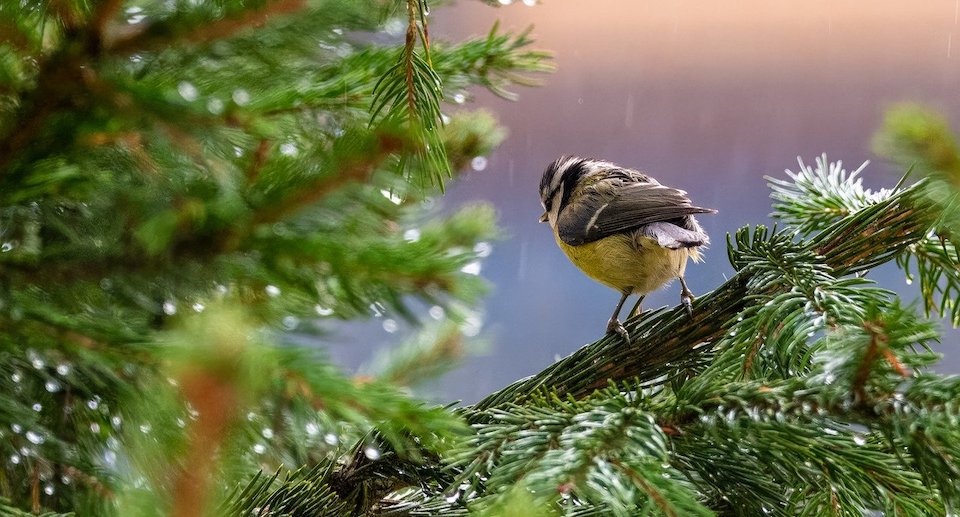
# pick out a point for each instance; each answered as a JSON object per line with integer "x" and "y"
{"x": 686, "y": 298}
{"x": 614, "y": 326}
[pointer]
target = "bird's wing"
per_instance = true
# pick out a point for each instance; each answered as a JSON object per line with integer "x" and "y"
{"x": 673, "y": 237}
{"x": 598, "y": 213}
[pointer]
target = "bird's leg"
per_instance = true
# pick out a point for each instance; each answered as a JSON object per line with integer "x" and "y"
{"x": 614, "y": 324}
{"x": 636, "y": 307}
{"x": 686, "y": 297}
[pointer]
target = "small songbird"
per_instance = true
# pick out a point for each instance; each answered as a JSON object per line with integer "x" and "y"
{"x": 621, "y": 227}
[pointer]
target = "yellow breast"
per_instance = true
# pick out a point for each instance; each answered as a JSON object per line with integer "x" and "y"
{"x": 628, "y": 262}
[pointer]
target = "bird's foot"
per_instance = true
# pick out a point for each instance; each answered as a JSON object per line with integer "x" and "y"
{"x": 687, "y": 298}
{"x": 614, "y": 326}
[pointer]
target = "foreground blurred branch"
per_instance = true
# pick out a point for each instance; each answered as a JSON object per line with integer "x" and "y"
{"x": 854, "y": 244}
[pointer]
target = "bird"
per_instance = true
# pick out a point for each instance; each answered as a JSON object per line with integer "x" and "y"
{"x": 622, "y": 228}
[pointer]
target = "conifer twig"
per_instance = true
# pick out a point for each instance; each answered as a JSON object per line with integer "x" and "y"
{"x": 154, "y": 36}
{"x": 858, "y": 242}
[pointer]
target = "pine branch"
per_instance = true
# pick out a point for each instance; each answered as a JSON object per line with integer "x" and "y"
{"x": 664, "y": 338}
{"x": 159, "y": 35}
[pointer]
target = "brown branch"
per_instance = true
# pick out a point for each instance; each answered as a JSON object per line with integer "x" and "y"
{"x": 649, "y": 489}
{"x": 878, "y": 340}
{"x": 35, "y": 490}
{"x": 106, "y": 11}
{"x": 216, "y": 400}
{"x": 409, "y": 44}
{"x": 350, "y": 171}
{"x": 259, "y": 158}
{"x": 127, "y": 40}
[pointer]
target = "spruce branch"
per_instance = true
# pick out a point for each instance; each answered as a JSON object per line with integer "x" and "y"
{"x": 858, "y": 242}
{"x": 151, "y": 36}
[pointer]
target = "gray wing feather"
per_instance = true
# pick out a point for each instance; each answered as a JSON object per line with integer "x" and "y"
{"x": 674, "y": 237}
{"x": 596, "y": 214}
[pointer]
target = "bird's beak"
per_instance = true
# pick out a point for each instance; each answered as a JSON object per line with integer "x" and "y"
{"x": 543, "y": 217}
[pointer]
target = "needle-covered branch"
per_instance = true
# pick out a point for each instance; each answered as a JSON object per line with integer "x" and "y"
{"x": 664, "y": 339}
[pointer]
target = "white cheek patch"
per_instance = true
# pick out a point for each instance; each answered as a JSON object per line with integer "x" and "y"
{"x": 555, "y": 208}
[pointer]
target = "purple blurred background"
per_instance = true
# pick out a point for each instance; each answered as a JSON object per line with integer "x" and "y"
{"x": 707, "y": 97}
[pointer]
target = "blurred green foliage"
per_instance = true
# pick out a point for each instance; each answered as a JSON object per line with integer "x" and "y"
{"x": 188, "y": 188}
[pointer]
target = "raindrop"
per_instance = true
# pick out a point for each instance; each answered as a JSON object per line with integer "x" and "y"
{"x": 37, "y": 407}
{"x": 478, "y": 163}
{"x": 377, "y": 309}
{"x": 371, "y": 452}
{"x": 483, "y": 249}
{"x": 291, "y": 322}
{"x": 181, "y": 423}
{"x": 390, "y": 325}
{"x": 15, "y": 458}
{"x": 259, "y": 448}
{"x": 52, "y": 386}
{"x": 95, "y": 428}
{"x": 93, "y": 403}
{"x": 48, "y": 490}
{"x": 323, "y": 311}
{"x": 215, "y": 106}
{"x": 198, "y": 307}
{"x": 272, "y": 291}
{"x": 116, "y": 420}
{"x": 267, "y": 433}
{"x": 411, "y": 235}
{"x": 16, "y": 428}
{"x": 436, "y": 312}
{"x": 529, "y": 3}
{"x": 909, "y": 280}
{"x": 169, "y": 308}
{"x": 145, "y": 428}
{"x": 459, "y": 98}
{"x": 17, "y": 376}
{"x": 7, "y": 246}
{"x": 288, "y": 149}
{"x": 240, "y": 96}
{"x": 859, "y": 439}
{"x": 331, "y": 439}
{"x": 188, "y": 91}
{"x": 392, "y": 196}
{"x": 471, "y": 326}
{"x": 35, "y": 360}
{"x": 831, "y": 431}
{"x": 63, "y": 369}
{"x": 312, "y": 429}
{"x": 65, "y": 479}
{"x": 110, "y": 458}
{"x": 34, "y": 438}
{"x": 472, "y": 268}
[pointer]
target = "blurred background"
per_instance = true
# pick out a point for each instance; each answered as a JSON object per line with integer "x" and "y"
{"x": 705, "y": 97}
